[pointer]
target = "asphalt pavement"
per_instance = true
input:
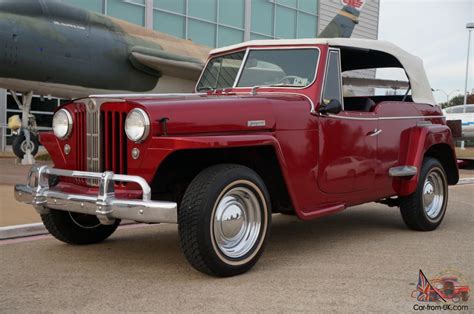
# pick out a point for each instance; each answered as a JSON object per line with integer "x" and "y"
{"x": 362, "y": 259}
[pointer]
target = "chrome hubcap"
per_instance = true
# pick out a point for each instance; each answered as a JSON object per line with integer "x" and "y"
{"x": 433, "y": 194}
{"x": 24, "y": 146}
{"x": 84, "y": 221}
{"x": 237, "y": 222}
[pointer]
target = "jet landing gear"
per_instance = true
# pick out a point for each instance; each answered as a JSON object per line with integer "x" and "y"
{"x": 26, "y": 143}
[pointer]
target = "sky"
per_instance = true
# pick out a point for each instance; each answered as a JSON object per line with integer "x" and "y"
{"x": 434, "y": 30}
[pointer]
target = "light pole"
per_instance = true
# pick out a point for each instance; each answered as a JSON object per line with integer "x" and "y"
{"x": 469, "y": 27}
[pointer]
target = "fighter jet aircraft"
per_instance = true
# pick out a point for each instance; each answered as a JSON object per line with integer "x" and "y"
{"x": 50, "y": 48}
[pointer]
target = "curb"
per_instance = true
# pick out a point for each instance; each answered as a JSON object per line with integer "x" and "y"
{"x": 465, "y": 181}
{"x": 19, "y": 231}
{"x": 28, "y": 230}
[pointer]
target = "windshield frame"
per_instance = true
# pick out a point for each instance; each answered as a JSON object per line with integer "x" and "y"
{"x": 244, "y": 61}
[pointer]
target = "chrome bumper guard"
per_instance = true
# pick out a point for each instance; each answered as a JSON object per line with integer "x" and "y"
{"x": 105, "y": 205}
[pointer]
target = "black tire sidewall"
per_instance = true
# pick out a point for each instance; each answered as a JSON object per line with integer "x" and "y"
{"x": 18, "y": 141}
{"x": 60, "y": 224}
{"x": 429, "y": 165}
{"x": 411, "y": 206}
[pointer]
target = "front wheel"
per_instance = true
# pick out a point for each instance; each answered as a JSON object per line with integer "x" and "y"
{"x": 75, "y": 228}
{"x": 224, "y": 220}
{"x": 425, "y": 208}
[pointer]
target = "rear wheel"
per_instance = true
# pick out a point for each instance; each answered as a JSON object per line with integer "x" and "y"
{"x": 425, "y": 208}
{"x": 224, "y": 220}
{"x": 75, "y": 228}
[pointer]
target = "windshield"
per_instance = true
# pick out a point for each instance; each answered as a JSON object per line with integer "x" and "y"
{"x": 221, "y": 72}
{"x": 263, "y": 67}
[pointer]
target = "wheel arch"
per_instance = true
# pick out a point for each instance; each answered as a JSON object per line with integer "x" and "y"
{"x": 446, "y": 156}
{"x": 426, "y": 141}
{"x": 179, "y": 168}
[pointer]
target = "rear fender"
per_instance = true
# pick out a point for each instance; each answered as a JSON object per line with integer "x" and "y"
{"x": 415, "y": 144}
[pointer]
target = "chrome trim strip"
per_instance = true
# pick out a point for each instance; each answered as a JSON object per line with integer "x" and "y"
{"x": 142, "y": 95}
{"x": 403, "y": 171}
{"x": 239, "y": 73}
{"x": 380, "y": 118}
{"x": 105, "y": 206}
{"x": 281, "y": 93}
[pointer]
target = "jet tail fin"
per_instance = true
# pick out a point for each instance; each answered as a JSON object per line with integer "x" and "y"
{"x": 158, "y": 63}
{"x": 342, "y": 25}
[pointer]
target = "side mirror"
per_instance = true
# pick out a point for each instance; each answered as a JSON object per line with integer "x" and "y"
{"x": 334, "y": 106}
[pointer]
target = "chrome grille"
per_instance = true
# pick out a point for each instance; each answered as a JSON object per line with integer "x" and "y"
{"x": 93, "y": 139}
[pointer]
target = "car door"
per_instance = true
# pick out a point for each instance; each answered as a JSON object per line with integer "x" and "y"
{"x": 347, "y": 141}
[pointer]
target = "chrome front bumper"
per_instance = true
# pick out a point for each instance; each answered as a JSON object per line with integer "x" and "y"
{"x": 105, "y": 205}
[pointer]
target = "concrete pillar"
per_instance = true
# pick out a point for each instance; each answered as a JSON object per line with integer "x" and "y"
{"x": 247, "y": 19}
{"x": 3, "y": 119}
{"x": 149, "y": 14}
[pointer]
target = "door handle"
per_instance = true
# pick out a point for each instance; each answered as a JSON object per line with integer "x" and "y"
{"x": 374, "y": 132}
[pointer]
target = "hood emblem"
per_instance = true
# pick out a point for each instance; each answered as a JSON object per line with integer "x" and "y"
{"x": 254, "y": 123}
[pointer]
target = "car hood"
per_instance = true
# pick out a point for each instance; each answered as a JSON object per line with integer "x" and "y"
{"x": 216, "y": 113}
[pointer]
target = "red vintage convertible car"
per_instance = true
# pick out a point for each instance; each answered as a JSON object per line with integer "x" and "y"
{"x": 270, "y": 129}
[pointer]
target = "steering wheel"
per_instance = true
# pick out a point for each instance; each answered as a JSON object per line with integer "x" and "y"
{"x": 289, "y": 77}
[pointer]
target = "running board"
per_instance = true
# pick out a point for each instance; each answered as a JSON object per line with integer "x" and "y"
{"x": 403, "y": 171}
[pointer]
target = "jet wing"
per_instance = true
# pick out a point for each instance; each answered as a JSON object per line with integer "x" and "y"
{"x": 159, "y": 63}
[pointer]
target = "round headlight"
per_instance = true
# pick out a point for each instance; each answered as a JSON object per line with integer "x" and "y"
{"x": 137, "y": 125}
{"x": 62, "y": 124}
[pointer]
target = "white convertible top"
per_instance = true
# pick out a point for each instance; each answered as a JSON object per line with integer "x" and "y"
{"x": 413, "y": 66}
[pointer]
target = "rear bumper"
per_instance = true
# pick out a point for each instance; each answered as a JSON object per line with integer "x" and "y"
{"x": 105, "y": 205}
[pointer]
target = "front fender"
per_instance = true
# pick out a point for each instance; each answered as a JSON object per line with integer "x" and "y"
{"x": 161, "y": 147}
{"x": 416, "y": 142}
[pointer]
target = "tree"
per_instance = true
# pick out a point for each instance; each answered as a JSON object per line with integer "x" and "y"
{"x": 457, "y": 101}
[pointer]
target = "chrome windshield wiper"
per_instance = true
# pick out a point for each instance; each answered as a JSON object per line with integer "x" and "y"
{"x": 204, "y": 89}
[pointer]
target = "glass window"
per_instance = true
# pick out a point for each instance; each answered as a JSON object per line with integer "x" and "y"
{"x": 221, "y": 72}
{"x": 202, "y": 32}
{"x": 332, "y": 85}
{"x": 285, "y": 23}
{"x": 95, "y": 6}
{"x": 132, "y": 13}
{"x": 310, "y": 6}
{"x": 231, "y": 12}
{"x": 262, "y": 17}
{"x": 254, "y": 36}
{"x": 229, "y": 36}
{"x": 203, "y": 9}
{"x": 290, "y": 3}
{"x": 169, "y": 23}
{"x": 282, "y": 67}
{"x": 307, "y": 25}
{"x": 178, "y": 6}
{"x": 470, "y": 109}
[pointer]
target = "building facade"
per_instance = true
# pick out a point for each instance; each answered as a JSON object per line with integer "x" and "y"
{"x": 214, "y": 23}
